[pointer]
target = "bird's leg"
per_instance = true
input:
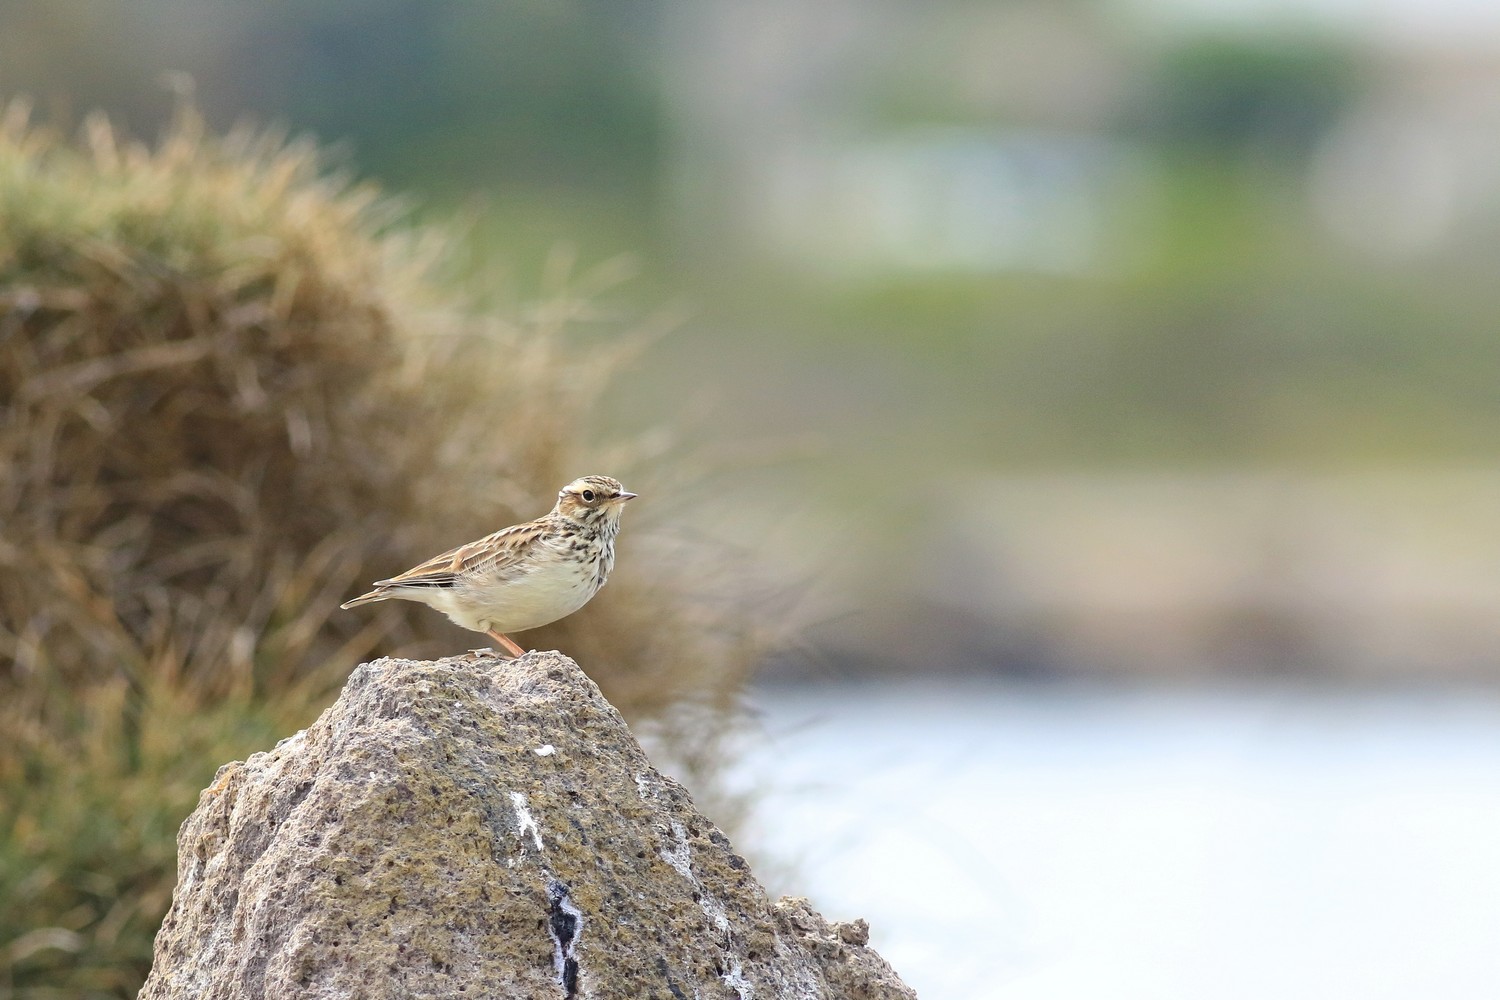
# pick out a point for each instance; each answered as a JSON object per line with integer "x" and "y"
{"x": 506, "y": 643}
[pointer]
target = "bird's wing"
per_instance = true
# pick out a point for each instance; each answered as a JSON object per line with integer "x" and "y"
{"x": 502, "y": 555}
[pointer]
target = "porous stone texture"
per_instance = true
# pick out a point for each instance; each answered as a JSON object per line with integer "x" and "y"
{"x": 478, "y": 827}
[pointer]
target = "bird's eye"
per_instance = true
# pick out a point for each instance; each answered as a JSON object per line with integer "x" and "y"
{"x": 588, "y": 496}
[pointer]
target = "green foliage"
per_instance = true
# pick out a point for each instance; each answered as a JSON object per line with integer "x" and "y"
{"x": 95, "y": 788}
{"x": 1234, "y": 95}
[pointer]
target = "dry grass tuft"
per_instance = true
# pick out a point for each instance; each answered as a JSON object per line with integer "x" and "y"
{"x": 232, "y": 391}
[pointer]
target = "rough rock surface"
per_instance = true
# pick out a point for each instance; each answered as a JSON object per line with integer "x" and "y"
{"x": 480, "y": 827}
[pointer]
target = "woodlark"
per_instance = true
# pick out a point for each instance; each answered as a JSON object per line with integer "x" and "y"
{"x": 522, "y": 577}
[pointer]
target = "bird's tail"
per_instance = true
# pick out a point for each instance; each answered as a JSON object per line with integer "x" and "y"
{"x": 370, "y": 598}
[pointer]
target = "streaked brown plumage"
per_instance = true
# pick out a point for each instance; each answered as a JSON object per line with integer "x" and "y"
{"x": 525, "y": 576}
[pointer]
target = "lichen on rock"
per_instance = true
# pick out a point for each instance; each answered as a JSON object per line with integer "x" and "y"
{"x": 484, "y": 828}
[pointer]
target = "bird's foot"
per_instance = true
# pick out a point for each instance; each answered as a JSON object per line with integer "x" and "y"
{"x": 506, "y": 643}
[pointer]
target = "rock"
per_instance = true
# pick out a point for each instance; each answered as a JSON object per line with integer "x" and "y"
{"x": 480, "y": 827}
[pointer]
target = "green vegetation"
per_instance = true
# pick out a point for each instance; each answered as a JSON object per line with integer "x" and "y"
{"x": 233, "y": 390}
{"x": 1234, "y": 331}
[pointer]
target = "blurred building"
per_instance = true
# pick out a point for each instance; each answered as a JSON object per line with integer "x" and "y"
{"x": 854, "y": 137}
{"x": 862, "y": 138}
{"x": 1415, "y": 167}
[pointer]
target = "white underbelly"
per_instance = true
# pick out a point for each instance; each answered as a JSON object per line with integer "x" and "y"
{"x": 551, "y": 591}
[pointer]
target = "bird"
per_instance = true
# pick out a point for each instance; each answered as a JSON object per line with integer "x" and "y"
{"x": 524, "y": 576}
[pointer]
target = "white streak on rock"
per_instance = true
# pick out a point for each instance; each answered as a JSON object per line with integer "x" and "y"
{"x": 524, "y": 818}
{"x": 678, "y": 854}
{"x": 735, "y": 980}
{"x": 713, "y": 910}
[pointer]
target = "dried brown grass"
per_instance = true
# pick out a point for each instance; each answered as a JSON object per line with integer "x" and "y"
{"x": 234, "y": 388}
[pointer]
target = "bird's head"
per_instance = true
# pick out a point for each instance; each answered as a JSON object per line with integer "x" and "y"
{"x": 593, "y": 498}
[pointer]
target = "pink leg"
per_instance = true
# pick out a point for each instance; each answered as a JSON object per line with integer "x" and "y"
{"x": 506, "y": 642}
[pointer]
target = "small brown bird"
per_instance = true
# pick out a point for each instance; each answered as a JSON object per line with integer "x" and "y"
{"x": 522, "y": 577}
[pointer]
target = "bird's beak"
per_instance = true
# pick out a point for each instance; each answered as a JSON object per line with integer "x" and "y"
{"x": 627, "y": 496}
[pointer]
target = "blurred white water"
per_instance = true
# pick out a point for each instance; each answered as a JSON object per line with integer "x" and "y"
{"x": 1058, "y": 843}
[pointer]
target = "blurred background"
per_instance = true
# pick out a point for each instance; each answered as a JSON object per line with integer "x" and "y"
{"x": 1116, "y": 383}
